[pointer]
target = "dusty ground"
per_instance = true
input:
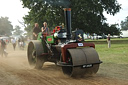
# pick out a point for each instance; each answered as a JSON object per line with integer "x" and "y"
{"x": 15, "y": 70}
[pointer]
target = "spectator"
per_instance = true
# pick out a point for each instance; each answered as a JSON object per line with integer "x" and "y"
{"x": 19, "y": 42}
{"x": 14, "y": 43}
{"x": 3, "y": 48}
{"x": 109, "y": 41}
{"x": 22, "y": 43}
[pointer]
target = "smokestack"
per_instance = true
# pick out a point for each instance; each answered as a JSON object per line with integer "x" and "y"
{"x": 67, "y": 13}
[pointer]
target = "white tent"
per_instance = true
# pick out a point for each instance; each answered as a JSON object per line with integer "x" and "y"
{"x": 124, "y": 33}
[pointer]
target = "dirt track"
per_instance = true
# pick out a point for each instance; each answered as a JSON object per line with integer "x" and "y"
{"x": 15, "y": 70}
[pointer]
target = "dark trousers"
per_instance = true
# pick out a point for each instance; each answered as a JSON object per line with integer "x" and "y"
{"x": 14, "y": 46}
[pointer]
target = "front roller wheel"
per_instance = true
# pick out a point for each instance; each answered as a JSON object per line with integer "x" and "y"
{"x": 79, "y": 58}
{"x": 34, "y": 52}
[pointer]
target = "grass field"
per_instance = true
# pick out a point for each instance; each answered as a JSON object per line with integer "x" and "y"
{"x": 115, "y": 59}
{"x": 114, "y": 41}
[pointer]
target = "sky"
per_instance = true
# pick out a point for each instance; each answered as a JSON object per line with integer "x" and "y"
{"x": 15, "y": 11}
{"x": 120, "y": 16}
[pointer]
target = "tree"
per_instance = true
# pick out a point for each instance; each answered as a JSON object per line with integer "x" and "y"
{"x": 6, "y": 27}
{"x": 17, "y": 31}
{"x": 114, "y": 30}
{"x": 27, "y": 27}
{"x": 124, "y": 24}
{"x": 86, "y": 14}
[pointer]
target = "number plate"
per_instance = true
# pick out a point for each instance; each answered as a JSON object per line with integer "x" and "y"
{"x": 87, "y": 66}
{"x": 80, "y": 44}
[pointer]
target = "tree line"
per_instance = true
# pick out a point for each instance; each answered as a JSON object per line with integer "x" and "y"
{"x": 7, "y": 29}
{"x": 5, "y": 26}
{"x": 86, "y": 14}
{"x": 124, "y": 24}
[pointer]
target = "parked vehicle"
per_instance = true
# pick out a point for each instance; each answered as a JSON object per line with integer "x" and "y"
{"x": 95, "y": 37}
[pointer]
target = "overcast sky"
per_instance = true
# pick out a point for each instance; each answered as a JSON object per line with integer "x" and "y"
{"x": 119, "y": 16}
{"x": 15, "y": 11}
{"x": 12, "y": 9}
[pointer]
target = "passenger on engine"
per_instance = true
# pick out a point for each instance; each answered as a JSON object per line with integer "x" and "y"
{"x": 58, "y": 28}
{"x": 36, "y": 30}
{"x": 45, "y": 29}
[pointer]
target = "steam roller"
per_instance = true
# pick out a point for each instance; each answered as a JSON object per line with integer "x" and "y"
{"x": 85, "y": 61}
{"x": 66, "y": 48}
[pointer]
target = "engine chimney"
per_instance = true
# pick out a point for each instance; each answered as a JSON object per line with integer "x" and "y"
{"x": 67, "y": 13}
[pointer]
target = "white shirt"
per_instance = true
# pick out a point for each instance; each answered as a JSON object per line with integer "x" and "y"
{"x": 13, "y": 41}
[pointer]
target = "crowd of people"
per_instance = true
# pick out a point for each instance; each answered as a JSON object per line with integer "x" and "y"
{"x": 3, "y": 45}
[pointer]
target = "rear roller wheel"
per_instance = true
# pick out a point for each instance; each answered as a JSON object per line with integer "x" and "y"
{"x": 80, "y": 57}
{"x": 34, "y": 52}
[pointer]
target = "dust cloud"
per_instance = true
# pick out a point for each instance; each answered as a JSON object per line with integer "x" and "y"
{"x": 15, "y": 70}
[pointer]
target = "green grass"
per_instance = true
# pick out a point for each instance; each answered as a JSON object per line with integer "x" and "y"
{"x": 118, "y": 53}
{"x": 106, "y": 39}
{"x": 114, "y": 41}
{"x": 115, "y": 59}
